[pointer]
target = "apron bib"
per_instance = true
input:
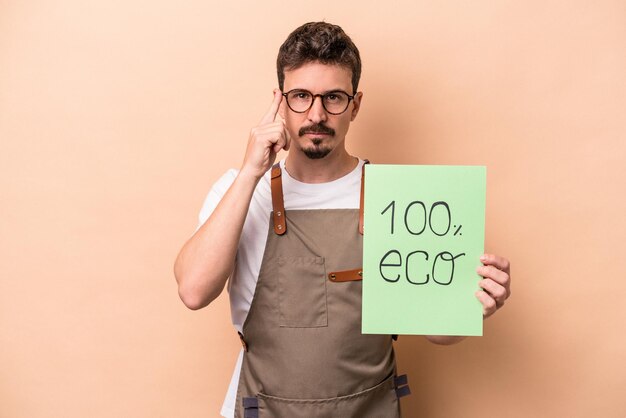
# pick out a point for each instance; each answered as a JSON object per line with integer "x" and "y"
{"x": 304, "y": 353}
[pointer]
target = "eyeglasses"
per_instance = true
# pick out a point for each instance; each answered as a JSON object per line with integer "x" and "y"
{"x": 334, "y": 102}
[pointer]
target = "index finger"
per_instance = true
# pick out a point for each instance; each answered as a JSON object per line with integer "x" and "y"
{"x": 270, "y": 116}
{"x": 498, "y": 262}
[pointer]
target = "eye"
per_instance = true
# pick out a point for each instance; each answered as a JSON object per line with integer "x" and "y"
{"x": 300, "y": 95}
{"x": 334, "y": 97}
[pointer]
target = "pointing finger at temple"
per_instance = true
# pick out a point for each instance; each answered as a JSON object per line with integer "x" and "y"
{"x": 270, "y": 116}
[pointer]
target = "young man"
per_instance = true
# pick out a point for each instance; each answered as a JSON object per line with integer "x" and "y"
{"x": 280, "y": 232}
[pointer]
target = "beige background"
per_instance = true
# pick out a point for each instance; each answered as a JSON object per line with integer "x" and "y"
{"x": 117, "y": 116}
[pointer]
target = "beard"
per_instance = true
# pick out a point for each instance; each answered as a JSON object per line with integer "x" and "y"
{"x": 318, "y": 150}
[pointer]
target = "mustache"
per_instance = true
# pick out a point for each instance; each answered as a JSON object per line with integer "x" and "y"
{"x": 318, "y": 128}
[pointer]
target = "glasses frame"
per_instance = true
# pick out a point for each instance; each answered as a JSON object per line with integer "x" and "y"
{"x": 321, "y": 96}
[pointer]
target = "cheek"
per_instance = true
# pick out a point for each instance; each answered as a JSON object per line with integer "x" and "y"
{"x": 343, "y": 124}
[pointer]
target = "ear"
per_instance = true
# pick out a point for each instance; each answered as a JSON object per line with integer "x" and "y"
{"x": 282, "y": 107}
{"x": 356, "y": 105}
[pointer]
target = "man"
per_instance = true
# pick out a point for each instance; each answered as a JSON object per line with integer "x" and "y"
{"x": 279, "y": 233}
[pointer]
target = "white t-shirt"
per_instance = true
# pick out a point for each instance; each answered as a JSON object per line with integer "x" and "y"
{"x": 343, "y": 193}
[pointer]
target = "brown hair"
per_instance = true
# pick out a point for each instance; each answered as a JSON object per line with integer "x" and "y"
{"x": 318, "y": 42}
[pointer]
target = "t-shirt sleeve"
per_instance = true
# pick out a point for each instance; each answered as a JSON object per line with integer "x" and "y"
{"x": 216, "y": 194}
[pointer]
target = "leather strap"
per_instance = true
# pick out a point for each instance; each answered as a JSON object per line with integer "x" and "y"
{"x": 356, "y": 274}
{"x": 346, "y": 275}
{"x": 362, "y": 199}
{"x": 244, "y": 344}
{"x": 278, "y": 205}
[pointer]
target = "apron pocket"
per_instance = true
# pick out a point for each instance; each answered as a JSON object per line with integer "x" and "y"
{"x": 376, "y": 402}
{"x": 302, "y": 292}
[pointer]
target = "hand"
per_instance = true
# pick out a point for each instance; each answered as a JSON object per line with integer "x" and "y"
{"x": 496, "y": 283}
{"x": 266, "y": 139}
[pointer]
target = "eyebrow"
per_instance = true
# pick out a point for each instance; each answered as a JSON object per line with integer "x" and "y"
{"x": 326, "y": 92}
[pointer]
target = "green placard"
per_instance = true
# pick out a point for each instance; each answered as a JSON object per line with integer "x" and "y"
{"x": 424, "y": 230}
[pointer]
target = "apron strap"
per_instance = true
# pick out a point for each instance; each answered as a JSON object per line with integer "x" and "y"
{"x": 361, "y": 202}
{"x": 355, "y": 274}
{"x": 401, "y": 384}
{"x": 250, "y": 407}
{"x": 278, "y": 205}
{"x": 244, "y": 344}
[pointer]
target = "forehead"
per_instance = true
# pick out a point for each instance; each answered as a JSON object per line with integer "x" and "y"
{"x": 317, "y": 77}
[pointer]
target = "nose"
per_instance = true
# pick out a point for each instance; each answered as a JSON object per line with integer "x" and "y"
{"x": 317, "y": 113}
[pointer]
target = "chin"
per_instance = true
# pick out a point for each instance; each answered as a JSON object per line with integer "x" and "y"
{"x": 316, "y": 153}
{"x": 316, "y": 149}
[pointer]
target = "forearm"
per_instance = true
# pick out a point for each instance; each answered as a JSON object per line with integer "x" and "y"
{"x": 207, "y": 258}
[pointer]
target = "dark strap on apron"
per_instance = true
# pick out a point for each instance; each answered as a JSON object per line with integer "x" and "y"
{"x": 250, "y": 407}
{"x": 401, "y": 384}
{"x": 278, "y": 204}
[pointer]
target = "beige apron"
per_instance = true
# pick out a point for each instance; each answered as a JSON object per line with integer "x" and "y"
{"x": 304, "y": 353}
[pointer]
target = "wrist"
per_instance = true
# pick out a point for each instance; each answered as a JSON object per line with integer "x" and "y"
{"x": 249, "y": 177}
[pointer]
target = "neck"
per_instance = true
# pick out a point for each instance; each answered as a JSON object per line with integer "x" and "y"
{"x": 335, "y": 165}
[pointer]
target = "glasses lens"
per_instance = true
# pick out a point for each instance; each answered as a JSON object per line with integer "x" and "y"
{"x": 299, "y": 100}
{"x": 336, "y": 102}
